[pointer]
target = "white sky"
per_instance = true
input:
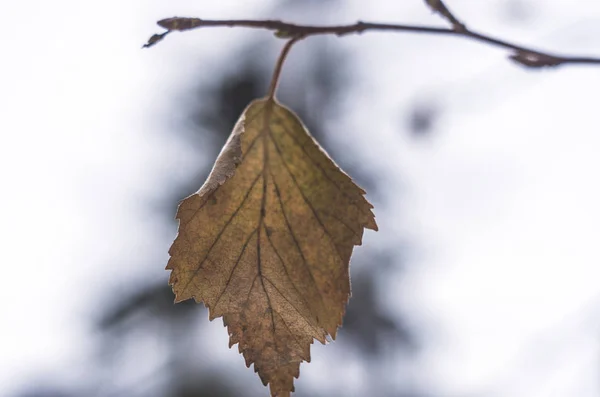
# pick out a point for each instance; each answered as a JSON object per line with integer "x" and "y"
{"x": 502, "y": 201}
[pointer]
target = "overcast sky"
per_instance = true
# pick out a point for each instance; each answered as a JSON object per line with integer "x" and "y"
{"x": 502, "y": 200}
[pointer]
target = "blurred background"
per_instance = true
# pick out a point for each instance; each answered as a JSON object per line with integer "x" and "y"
{"x": 483, "y": 278}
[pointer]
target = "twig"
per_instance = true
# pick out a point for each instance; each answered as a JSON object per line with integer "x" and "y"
{"x": 439, "y": 7}
{"x": 523, "y": 55}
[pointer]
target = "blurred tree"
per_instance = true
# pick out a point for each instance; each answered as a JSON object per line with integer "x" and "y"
{"x": 45, "y": 391}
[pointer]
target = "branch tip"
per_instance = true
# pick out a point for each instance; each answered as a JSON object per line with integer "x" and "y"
{"x": 155, "y": 39}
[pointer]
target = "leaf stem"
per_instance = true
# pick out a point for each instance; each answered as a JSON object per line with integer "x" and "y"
{"x": 279, "y": 65}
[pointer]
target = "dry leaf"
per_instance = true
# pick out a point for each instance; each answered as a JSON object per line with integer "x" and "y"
{"x": 266, "y": 242}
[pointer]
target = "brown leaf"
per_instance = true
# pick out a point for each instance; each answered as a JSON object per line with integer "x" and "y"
{"x": 266, "y": 242}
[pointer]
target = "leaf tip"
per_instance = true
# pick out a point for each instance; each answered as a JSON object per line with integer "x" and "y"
{"x": 372, "y": 225}
{"x": 177, "y": 299}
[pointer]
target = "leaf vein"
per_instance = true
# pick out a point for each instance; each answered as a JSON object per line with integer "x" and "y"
{"x": 289, "y": 301}
{"x": 320, "y": 167}
{"x": 201, "y": 263}
{"x": 235, "y": 266}
{"x": 331, "y": 215}
{"x": 249, "y": 148}
{"x": 294, "y": 336}
{"x": 306, "y": 201}
{"x": 289, "y": 227}
{"x": 291, "y": 281}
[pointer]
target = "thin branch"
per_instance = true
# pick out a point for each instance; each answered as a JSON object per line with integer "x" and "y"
{"x": 525, "y": 56}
